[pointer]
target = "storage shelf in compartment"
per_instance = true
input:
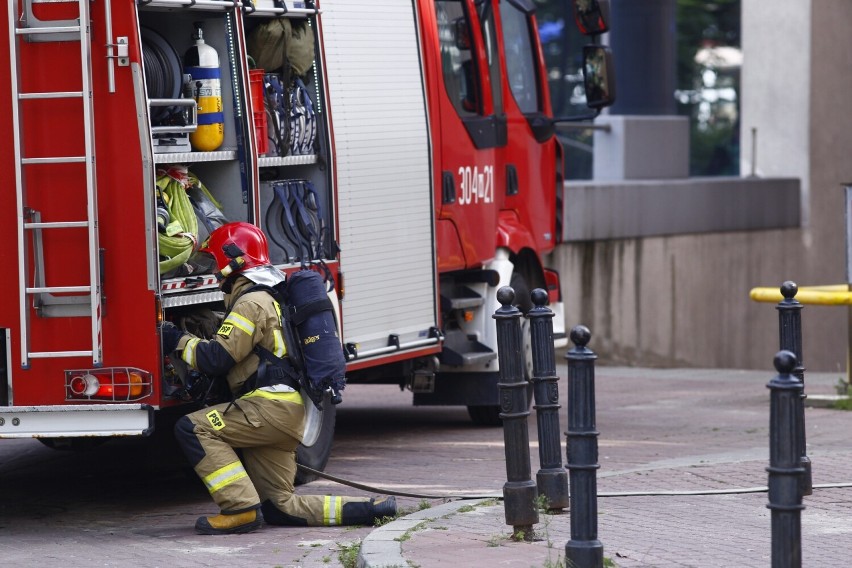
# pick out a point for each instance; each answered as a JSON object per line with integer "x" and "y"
{"x": 189, "y": 291}
{"x": 295, "y": 9}
{"x": 173, "y": 285}
{"x": 204, "y": 289}
{"x": 187, "y": 157}
{"x": 208, "y": 5}
{"x": 288, "y": 161}
{"x": 178, "y": 301}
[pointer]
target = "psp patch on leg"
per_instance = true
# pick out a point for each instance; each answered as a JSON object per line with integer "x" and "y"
{"x": 215, "y": 419}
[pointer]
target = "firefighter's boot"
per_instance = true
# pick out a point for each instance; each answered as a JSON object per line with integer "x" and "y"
{"x": 223, "y": 523}
{"x": 368, "y": 512}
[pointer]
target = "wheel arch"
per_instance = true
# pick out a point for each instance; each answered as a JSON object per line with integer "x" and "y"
{"x": 517, "y": 239}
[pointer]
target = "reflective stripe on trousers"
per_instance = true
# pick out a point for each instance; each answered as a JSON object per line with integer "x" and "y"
{"x": 224, "y": 476}
{"x": 332, "y": 510}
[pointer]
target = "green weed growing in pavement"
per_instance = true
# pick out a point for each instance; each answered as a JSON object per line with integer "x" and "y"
{"x": 842, "y": 387}
{"x": 385, "y": 520}
{"x": 542, "y": 504}
{"x": 407, "y": 534}
{"x": 488, "y": 503}
{"x": 348, "y": 554}
{"x": 843, "y": 404}
{"x": 469, "y": 508}
{"x": 403, "y": 511}
{"x": 607, "y": 563}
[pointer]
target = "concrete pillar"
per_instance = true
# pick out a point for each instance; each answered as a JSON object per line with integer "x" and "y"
{"x": 645, "y": 139}
{"x": 643, "y": 40}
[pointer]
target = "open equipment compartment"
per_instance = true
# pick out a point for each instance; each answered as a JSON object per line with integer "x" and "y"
{"x": 295, "y": 174}
{"x": 168, "y": 32}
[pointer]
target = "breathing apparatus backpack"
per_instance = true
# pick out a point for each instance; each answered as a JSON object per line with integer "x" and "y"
{"x": 314, "y": 354}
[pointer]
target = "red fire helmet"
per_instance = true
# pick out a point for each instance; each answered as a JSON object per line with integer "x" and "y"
{"x": 236, "y": 247}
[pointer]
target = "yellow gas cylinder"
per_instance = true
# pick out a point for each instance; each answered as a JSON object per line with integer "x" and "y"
{"x": 201, "y": 63}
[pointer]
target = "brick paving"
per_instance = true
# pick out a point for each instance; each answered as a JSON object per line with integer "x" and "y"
{"x": 678, "y": 430}
{"x": 683, "y": 429}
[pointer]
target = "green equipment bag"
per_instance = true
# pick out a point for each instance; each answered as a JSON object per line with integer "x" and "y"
{"x": 300, "y": 49}
{"x": 281, "y": 45}
{"x": 267, "y": 43}
{"x": 186, "y": 215}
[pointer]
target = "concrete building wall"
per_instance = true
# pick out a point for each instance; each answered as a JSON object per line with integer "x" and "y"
{"x": 683, "y": 299}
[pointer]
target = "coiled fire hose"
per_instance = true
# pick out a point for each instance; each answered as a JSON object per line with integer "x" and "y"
{"x": 179, "y": 239}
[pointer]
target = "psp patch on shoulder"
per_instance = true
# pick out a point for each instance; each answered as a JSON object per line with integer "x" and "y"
{"x": 215, "y": 419}
{"x": 226, "y": 329}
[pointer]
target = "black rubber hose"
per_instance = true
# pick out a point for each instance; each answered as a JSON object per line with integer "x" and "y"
{"x": 161, "y": 67}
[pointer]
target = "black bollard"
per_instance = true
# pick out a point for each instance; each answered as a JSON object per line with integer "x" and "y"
{"x": 584, "y": 550}
{"x": 519, "y": 492}
{"x": 551, "y": 479}
{"x": 785, "y": 464}
{"x": 790, "y": 333}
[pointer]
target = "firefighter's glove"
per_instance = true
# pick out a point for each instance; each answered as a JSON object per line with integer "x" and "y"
{"x": 171, "y": 336}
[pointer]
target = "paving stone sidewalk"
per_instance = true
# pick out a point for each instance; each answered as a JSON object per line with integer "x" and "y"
{"x": 669, "y": 530}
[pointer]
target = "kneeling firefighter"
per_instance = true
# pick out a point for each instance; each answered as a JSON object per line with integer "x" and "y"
{"x": 266, "y": 421}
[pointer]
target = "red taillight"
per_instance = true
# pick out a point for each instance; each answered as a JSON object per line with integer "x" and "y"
{"x": 119, "y": 384}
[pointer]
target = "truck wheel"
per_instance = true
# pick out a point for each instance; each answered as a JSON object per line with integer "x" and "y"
{"x": 489, "y": 415}
{"x": 315, "y": 448}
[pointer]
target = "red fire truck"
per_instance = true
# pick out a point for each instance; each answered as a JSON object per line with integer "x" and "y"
{"x": 414, "y": 157}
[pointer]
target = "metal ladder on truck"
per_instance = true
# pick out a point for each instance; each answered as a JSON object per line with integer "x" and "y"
{"x": 75, "y": 301}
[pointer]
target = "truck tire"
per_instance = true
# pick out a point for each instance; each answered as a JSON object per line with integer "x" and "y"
{"x": 315, "y": 448}
{"x": 489, "y": 415}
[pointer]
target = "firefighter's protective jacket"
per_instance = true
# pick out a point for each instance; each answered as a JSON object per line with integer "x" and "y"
{"x": 266, "y": 423}
{"x": 254, "y": 319}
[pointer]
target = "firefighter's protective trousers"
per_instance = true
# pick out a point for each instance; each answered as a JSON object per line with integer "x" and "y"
{"x": 264, "y": 425}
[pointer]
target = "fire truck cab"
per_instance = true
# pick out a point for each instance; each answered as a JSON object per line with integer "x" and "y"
{"x": 413, "y": 159}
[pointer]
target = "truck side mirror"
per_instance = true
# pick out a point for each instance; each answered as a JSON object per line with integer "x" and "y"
{"x": 591, "y": 16}
{"x": 598, "y": 77}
